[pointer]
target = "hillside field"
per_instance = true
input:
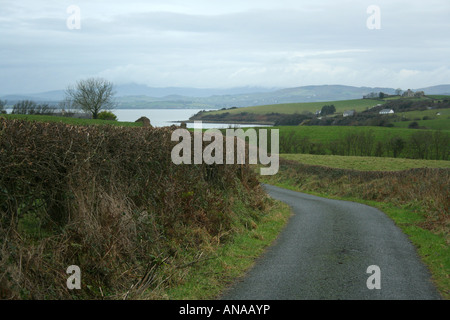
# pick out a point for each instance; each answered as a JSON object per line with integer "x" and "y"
{"x": 341, "y": 106}
{"x": 290, "y": 108}
{"x": 436, "y": 119}
{"x": 434, "y": 124}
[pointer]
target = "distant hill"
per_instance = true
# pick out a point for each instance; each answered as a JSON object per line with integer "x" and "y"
{"x": 51, "y": 97}
{"x": 440, "y": 89}
{"x": 133, "y": 89}
{"x": 141, "y": 96}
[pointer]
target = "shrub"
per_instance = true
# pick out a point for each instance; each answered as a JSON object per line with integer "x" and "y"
{"x": 413, "y": 125}
{"x": 107, "y": 115}
{"x": 328, "y": 109}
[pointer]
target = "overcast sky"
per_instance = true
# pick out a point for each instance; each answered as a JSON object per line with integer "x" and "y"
{"x": 223, "y": 44}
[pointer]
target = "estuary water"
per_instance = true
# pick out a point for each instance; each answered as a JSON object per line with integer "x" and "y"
{"x": 168, "y": 117}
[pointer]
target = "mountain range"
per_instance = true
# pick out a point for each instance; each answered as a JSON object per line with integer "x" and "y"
{"x": 138, "y": 96}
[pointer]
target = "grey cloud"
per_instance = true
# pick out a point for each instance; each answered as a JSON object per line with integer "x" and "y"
{"x": 216, "y": 43}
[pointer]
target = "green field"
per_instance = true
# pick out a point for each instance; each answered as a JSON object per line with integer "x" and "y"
{"x": 69, "y": 120}
{"x": 438, "y": 96}
{"x": 365, "y": 163}
{"x": 434, "y": 121}
{"x": 444, "y": 113}
{"x": 364, "y": 141}
{"x": 434, "y": 124}
{"x": 326, "y": 134}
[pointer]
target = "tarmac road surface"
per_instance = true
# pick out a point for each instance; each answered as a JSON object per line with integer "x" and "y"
{"x": 325, "y": 251}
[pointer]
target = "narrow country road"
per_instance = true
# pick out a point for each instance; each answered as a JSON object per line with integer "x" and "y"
{"x": 324, "y": 253}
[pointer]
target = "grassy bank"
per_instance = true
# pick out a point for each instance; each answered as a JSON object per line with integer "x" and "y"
{"x": 207, "y": 280}
{"x": 70, "y": 120}
{"x": 416, "y": 199}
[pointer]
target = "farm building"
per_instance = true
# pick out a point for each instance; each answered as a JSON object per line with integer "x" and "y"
{"x": 387, "y": 111}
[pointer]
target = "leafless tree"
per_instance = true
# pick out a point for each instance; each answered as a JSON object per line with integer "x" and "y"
{"x": 92, "y": 95}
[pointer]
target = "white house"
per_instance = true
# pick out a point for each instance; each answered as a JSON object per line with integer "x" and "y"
{"x": 387, "y": 111}
{"x": 349, "y": 113}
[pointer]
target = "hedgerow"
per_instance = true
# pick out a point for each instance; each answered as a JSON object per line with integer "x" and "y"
{"x": 109, "y": 200}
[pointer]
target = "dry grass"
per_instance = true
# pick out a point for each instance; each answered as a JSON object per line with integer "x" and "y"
{"x": 365, "y": 163}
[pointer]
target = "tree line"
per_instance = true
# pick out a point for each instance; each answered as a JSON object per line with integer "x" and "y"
{"x": 31, "y": 107}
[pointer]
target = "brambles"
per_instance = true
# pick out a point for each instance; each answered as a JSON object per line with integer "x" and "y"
{"x": 109, "y": 200}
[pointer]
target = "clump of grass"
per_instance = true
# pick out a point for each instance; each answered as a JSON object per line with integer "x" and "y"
{"x": 209, "y": 279}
